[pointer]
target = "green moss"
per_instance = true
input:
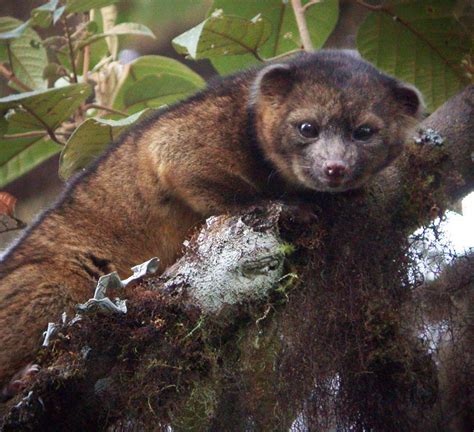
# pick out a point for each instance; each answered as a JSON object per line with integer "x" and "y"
{"x": 197, "y": 410}
{"x": 286, "y": 248}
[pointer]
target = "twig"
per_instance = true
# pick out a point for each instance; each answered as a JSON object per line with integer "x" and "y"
{"x": 45, "y": 125}
{"x": 71, "y": 49}
{"x": 80, "y": 30}
{"x": 9, "y": 75}
{"x": 105, "y": 108}
{"x": 309, "y": 4}
{"x": 370, "y": 6}
{"x": 86, "y": 61}
{"x": 86, "y": 57}
{"x": 302, "y": 26}
{"x": 87, "y": 50}
{"x": 283, "y": 55}
{"x": 32, "y": 134}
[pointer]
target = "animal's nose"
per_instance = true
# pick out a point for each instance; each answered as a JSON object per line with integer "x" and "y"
{"x": 335, "y": 169}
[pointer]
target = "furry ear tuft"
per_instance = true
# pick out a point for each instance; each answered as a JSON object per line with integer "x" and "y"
{"x": 274, "y": 81}
{"x": 410, "y": 98}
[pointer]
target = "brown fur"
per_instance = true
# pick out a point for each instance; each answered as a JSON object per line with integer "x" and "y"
{"x": 221, "y": 149}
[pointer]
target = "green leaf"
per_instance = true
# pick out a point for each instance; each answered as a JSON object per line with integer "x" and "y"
{"x": 157, "y": 92}
{"x": 27, "y": 53}
{"x": 52, "y": 72}
{"x": 90, "y": 140}
{"x": 73, "y": 6}
{"x": 98, "y": 50}
{"x": 15, "y": 33}
{"x": 124, "y": 29}
{"x": 156, "y": 80}
{"x": 3, "y": 126}
{"x": 57, "y": 14}
{"x": 424, "y": 46}
{"x": 321, "y": 18}
{"x": 223, "y": 35}
{"x": 46, "y": 14}
{"x": 34, "y": 110}
{"x": 18, "y": 156}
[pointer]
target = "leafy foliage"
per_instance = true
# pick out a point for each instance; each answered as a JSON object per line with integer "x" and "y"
{"x": 86, "y": 5}
{"x": 35, "y": 113}
{"x": 23, "y": 154}
{"x": 321, "y": 19}
{"x": 43, "y": 108}
{"x": 221, "y": 35}
{"x": 420, "y": 42}
{"x": 21, "y": 47}
{"x": 428, "y": 43}
{"x": 89, "y": 141}
{"x": 47, "y": 14}
{"x": 153, "y": 81}
{"x": 124, "y": 29}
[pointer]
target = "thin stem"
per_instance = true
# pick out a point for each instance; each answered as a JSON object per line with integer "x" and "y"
{"x": 45, "y": 125}
{"x": 86, "y": 61}
{"x": 370, "y": 6}
{"x": 9, "y": 75}
{"x": 70, "y": 48}
{"x": 302, "y": 25}
{"x": 309, "y": 4}
{"x": 86, "y": 52}
{"x": 283, "y": 55}
{"x": 32, "y": 134}
{"x": 105, "y": 108}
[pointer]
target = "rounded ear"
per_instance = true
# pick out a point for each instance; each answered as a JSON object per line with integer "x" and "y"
{"x": 274, "y": 82}
{"x": 410, "y": 98}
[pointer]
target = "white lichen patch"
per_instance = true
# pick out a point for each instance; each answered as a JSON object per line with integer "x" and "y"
{"x": 231, "y": 263}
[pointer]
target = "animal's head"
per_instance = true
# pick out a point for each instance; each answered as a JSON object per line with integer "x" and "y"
{"x": 330, "y": 121}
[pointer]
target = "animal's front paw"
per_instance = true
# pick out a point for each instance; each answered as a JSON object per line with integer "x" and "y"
{"x": 301, "y": 213}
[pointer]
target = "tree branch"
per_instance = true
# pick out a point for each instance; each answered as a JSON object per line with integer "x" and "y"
{"x": 229, "y": 336}
{"x": 436, "y": 168}
{"x": 302, "y": 25}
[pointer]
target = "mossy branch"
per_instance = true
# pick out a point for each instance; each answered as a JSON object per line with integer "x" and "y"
{"x": 334, "y": 340}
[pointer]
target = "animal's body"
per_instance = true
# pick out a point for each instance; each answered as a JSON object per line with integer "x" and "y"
{"x": 325, "y": 121}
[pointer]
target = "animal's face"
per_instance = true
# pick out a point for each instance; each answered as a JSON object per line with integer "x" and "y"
{"x": 330, "y": 124}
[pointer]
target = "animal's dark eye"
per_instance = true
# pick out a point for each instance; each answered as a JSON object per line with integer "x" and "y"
{"x": 308, "y": 130}
{"x": 363, "y": 133}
